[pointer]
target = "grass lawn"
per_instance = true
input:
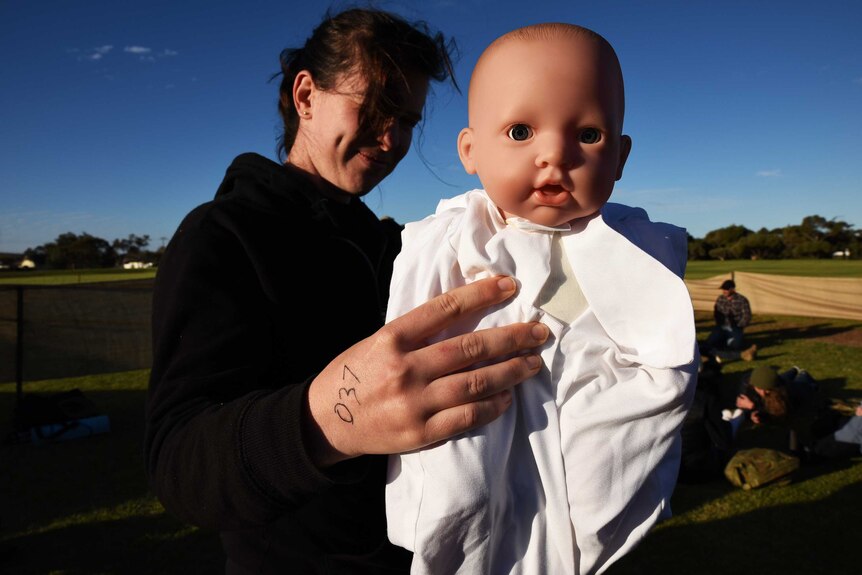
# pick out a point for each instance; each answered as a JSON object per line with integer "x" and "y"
{"x": 83, "y": 506}
{"x": 815, "y": 268}
{"x": 58, "y": 277}
{"x": 696, "y": 270}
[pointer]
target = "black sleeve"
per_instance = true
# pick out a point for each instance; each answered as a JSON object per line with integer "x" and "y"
{"x": 223, "y": 444}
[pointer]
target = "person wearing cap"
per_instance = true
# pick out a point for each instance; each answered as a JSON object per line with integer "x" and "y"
{"x": 732, "y": 314}
{"x": 765, "y": 396}
{"x": 787, "y": 400}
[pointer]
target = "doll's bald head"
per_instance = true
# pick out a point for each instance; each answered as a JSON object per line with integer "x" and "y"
{"x": 577, "y": 39}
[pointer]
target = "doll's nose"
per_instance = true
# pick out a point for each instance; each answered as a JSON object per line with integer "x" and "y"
{"x": 555, "y": 152}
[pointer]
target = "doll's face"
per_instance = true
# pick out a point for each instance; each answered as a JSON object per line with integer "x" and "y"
{"x": 545, "y": 123}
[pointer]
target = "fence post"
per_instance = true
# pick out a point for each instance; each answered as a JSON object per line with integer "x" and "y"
{"x": 19, "y": 346}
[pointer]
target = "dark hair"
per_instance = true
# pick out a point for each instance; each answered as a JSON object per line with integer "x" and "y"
{"x": 380, "y": 46}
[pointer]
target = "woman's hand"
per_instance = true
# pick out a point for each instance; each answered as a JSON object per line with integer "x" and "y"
{"x": 392, "y": 392}
{"x": 744, "y": 402}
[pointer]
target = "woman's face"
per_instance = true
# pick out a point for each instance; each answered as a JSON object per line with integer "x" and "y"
{"x": 331, "y": 147}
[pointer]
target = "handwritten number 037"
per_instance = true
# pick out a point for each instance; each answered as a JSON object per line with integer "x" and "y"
{"x": 345, "y": 394}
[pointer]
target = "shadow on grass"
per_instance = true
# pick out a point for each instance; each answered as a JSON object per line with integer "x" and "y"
{"x": 89, "y": 502}
{"x": 102, "y": 477}
{"x": 139, "y": 545}
{"x": 52, "y": 481}
{"x": 781, "y": 333}
{"x": 768, "y": 331}
{"x": 771, "y": 333}
{"x": 797, "y": 538}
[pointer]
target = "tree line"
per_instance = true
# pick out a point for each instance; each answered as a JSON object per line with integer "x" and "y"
{"x": 815, "y": 238}
{"x": 82, "y": 251}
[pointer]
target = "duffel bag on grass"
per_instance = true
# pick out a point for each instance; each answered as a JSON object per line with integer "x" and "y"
{"x": 750, "y": 468}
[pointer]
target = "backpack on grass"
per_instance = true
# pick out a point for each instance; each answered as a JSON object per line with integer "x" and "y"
{"x": 750, "y": 468}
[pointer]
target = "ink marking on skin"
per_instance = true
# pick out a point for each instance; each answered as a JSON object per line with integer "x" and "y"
{"x": 344, "y": 393}
{"x": 347, "y": 370}
{"x": 343, "y": 412}
{"x": 348, "y": 392}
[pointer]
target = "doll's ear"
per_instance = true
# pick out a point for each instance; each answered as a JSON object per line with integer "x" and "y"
{"x": 465, "y": 150}
{"x": 625, "y": 149}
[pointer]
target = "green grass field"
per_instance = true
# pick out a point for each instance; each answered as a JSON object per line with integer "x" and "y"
{"x": 58, "y": 277}
{"x": 814, "y": 268}
{"x": 696, "y": 270}
{"x": 83, "y": 506}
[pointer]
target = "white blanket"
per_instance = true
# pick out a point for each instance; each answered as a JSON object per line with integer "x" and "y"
{"x": 585, "y": 460}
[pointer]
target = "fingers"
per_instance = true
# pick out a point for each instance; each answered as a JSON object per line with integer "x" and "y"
{"x": 462, "y": 401}
{"x": 432, "y": 317}
{"x": 458, "y": 419}
{"x": 479, "y": 384}
{"x": 454, "y": 354}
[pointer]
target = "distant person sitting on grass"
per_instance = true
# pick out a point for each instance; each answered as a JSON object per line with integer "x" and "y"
{"x": 784, "y": 399}
{"x": 732, "y": 315}
{"x": 763, "y": 398}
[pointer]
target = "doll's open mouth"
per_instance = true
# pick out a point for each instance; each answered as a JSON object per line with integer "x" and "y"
{"x": 551, "y": 195}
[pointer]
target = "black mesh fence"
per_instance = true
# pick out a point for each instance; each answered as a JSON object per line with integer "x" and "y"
{"x": 49, "y": 332}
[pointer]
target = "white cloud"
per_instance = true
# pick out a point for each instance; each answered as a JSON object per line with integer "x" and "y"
{"x": 137, "y": 49}
{"x": 858, "y": 81}
{"x": 93, "y": 54}
{"x": 144, "y": 53}
{"x": 769, "y": 173}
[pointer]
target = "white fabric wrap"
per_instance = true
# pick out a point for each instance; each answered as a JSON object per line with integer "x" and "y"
{"x": 575, "y": 473}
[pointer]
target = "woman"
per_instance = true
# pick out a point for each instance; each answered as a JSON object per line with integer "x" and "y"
{"x": 253, "y": 428}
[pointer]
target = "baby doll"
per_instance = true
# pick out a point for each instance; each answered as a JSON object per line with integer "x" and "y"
{"x": 583, "y": 463}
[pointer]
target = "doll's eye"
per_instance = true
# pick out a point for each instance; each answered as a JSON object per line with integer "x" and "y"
{"x": 590, "y": 136}
{"x": 520, "y": 132}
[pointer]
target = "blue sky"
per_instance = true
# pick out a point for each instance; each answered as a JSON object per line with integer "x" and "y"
{"x": 119, "y": 117}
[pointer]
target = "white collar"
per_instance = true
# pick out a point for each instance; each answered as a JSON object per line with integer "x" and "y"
{"x": 528, "y": 226}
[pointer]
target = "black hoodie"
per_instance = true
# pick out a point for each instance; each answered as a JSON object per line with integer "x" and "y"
{"x": 257, "y": 291}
